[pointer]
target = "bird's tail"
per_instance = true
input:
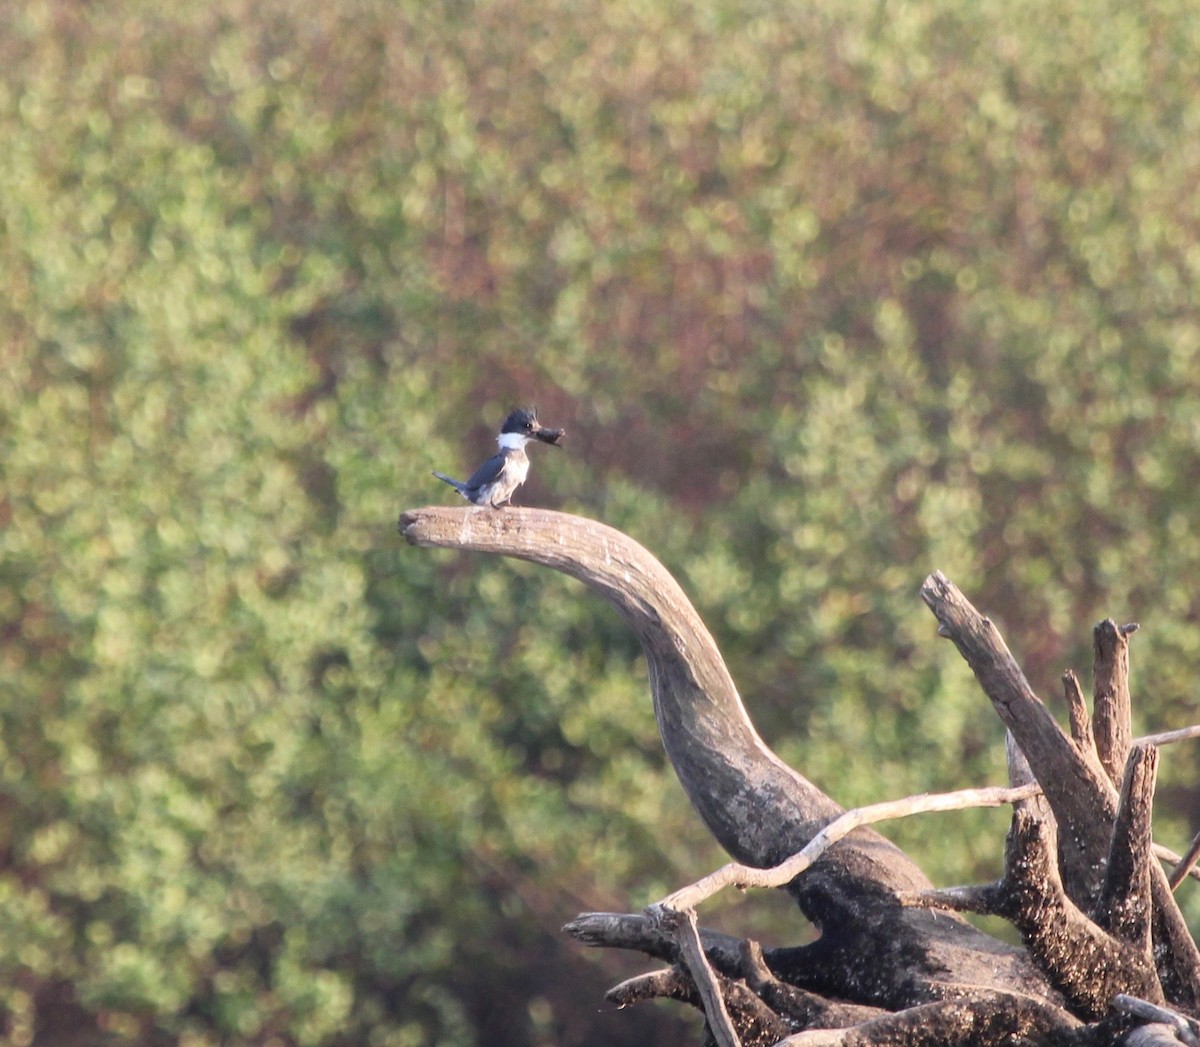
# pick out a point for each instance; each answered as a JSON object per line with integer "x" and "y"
{"x": 460, "y": 487}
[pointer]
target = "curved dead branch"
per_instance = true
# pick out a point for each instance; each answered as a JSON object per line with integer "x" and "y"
{"x": 758, "y": 808}
{"x": 728, "y": 772}
{"x": 1094, "y": 909}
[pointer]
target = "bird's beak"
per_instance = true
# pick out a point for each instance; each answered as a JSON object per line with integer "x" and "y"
{"x": 549, "y": 436}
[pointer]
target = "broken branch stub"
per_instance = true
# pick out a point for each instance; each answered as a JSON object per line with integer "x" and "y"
{"x": 1112, "y": 724}
{"x": 1075, "y": 785}
{"x": 1079, "y": 790}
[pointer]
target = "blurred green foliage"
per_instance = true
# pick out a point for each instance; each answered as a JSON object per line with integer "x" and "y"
{"x": 827, "y": 296}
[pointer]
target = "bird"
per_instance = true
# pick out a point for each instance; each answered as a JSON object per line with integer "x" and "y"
{"x": 494, "y": 482}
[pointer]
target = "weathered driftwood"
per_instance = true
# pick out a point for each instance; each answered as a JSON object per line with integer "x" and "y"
{"x": 1110, "y": 695}
{"x": 738, "y": 875}
{"x": 893, "y": 964}
{"x": 1081, "y": 795}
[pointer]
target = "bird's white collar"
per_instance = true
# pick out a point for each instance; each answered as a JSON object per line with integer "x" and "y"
{"x": 512, "y": 441}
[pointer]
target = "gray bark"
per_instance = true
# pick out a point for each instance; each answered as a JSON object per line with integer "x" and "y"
{"x": 887, "y": 963}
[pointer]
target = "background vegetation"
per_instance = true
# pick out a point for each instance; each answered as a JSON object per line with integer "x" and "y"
{"x": 827, "y": 296}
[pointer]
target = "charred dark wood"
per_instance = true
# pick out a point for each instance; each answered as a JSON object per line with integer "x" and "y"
{"x": 1078, "y": 788}
{"x": 669, "y": 983}
{"x": 757, "y": 1024}
{"x": 1088, "y": 965}
{"x": 988, "y": 1019}
{"x": 803, "y": 1009}
{"x": 1125, "y": 905}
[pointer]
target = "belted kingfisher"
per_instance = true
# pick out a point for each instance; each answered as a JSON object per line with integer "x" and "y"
{"x": 494, "y": 482}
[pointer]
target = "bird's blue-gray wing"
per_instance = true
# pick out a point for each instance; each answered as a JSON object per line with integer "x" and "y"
{"x": 487, "y": 473}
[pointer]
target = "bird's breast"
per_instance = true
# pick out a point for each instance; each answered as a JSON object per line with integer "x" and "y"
{"x": 517, "y": 468}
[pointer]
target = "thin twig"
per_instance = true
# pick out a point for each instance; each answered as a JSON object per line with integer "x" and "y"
{"x": 1077, "y": 712}
{"x": 1180, "y": 734}
{"x": 682, "y": 923}
{"x": 1186, "y": 864}
{"x": 737, "y": 875}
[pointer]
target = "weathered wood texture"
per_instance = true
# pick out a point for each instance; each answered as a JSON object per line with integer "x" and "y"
{"x": 1081, "y": 794}
{"x": 758, "y": 808}
{"x": 1073, "y": 779}
{"x": 892, "y": 965}
{"x": 1113, "y": 724}
{"x": 755, "y": 805}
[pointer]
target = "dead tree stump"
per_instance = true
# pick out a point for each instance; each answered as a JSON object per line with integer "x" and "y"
{"x": 1107, "y": 955}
